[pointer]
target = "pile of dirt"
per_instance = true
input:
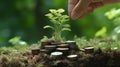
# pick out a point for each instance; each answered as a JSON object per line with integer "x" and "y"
{"x": 67, "y": 54}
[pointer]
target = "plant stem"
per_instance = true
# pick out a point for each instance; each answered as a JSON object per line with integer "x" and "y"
{"x": 57, "y": 34}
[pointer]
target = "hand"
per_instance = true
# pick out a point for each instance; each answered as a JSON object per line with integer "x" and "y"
{"x": 79, "y": 8}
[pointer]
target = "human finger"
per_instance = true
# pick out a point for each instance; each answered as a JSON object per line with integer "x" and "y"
{"x": 90, "y": 9}
{"x": 71, "y": 5}
{"x": 80, "y": 8}
{"x": 96, "y": 4}
{"x": 83, "y": 15}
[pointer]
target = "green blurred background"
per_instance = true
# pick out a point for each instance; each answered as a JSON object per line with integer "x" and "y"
{"x": 26, "y": 18}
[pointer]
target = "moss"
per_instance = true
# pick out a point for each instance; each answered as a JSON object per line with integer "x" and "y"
{"x": 103, "y": 56}
{"x": 16, "y": 62}
{"x": 4, "y": 61}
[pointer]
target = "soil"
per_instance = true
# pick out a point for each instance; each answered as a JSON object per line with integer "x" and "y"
{"x": 42, "y": 57}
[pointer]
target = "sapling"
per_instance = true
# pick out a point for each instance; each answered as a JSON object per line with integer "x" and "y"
{"x": 17, "y": 41}
{"x": 59, "y": 23}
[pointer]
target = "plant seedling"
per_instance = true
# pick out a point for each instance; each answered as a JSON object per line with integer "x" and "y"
{"x": 17, "y": 41}
{"x": 59, "y": 23}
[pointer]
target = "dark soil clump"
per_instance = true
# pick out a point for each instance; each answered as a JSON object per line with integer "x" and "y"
{"x": 63, "y": 55}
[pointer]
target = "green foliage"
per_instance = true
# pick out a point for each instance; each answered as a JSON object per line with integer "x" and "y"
{"x": 5, "y": 50}
{"x": 45, "y": 38}
{"x": 17, "y": 41}
{"x": 114, "y": 15}
{"x": 104, "y": 44}
{"x": 23, "y": 18}
{"x": 101, "y": 33}
{"x": 82, "y": 42}
{"x": 18, "y": 44}
{"x": 18, "y": 20}
{"x": 59, "y": 22}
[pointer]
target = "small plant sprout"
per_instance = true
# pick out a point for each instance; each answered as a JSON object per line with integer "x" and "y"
{"x": 17, "y": 41}
{"x": 59, "y": 23}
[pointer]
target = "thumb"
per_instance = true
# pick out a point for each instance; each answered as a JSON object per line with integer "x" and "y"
{"x": 80, "y": 8}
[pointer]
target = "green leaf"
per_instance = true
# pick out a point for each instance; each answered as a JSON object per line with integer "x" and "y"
{"x": 45, "y": 38}
{"x": 113, "y": 13}
{"x": 66, "y": 29}
{"x": 101, "y": 33}
{"x": 48, "y": 26}
{"x": 65, "y": 16}
{"x": 49, "y": 15}
{"x": 61, "y": 10}
{"x": 14, "y": 40}
{"x": 117, "y": 29}
{"x": 66, "y": 25}
{"x": 53, "y": 10}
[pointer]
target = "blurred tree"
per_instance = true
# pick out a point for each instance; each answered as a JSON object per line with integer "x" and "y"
{"x": 18, "y": 19}
{"x": 26, "y": 18}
